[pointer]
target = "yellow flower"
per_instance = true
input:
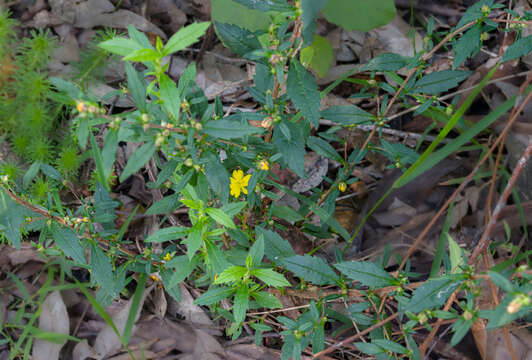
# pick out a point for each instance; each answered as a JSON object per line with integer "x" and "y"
{"x": 81, "y": 106}
{"x": 263, "y": 165}
{"x": 167, "y": 257}
{"x": 239, "y": 183}
{"x": 342, "y": 186}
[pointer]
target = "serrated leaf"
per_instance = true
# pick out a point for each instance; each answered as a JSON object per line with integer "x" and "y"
{"x": 455, "y": 255}
{"x": 221, "y": 217}
{"x": 266, "y": 5}
{"x": 312, "y": 269}
{"x": 440, "y": 81}
{"x": 366, "y": 273}
{"x": 257, "y": 251}
{"x": 519, "y": 48}
{"x": 213, "y": 295}
{"x": 194, "y": 240}
{"x": 347, "y": 115}
{"x": 293, "y": 148}
{"x": 11, "y": 218}
{"x": 240, "y": 304}
{"x": 139, "y": 158}
{"x": 303, "y": 91}
{"x": 102, "y": 270}
{"x": 286, "y": 213}
{"x": 68, "y": 241}
{"x": 318, "y": 56}
{"x": 120, "y": 46}
{"x": 433, "y": 293}
{"x": 387, "y": 62}
{"x": 323, "y": 148}
{"x": 164, "y": 206}
{"x": 238, "y": 39}
{"x": 231, "y": 274}
{"x": 275, "y": 247}
{"x": 135, "y": 84}
{"x": 369, "y": 348}
{"x": 142, "y": 55}
{"x": 309, "y": 13}
{"x": 468, "y": 45}
{"x": 267, "y": 300}
{"x": 168, "y": 234}
{"x": 390, "y": 346}
{"x": 270, "y": 277}
{"x": 170, "y": 96}
{"x": 229, "y": 129}
{"x": 216, "y": 257}
{"x": 185, "y": 36}
{"x": 502, "y": 282}
{"x": 362, "y": 15}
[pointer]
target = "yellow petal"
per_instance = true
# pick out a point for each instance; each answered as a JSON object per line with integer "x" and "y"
{"x": 245, "y": 180}
{"x": 238, "y": 174}
{"x": 244, "y": 190}
{"x": 235, "y": 191}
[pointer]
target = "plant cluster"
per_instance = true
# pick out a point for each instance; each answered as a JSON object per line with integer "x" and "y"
{"x": 218, "y": 166}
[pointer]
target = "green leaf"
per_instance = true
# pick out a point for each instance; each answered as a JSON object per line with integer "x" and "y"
{"x": 502, "y": 282}
{"x": 366, "y": 273}
{"x": 135, "y": 308}
{"x": 168, "y": 234}
{"x": 185, "y": 36}
{"x": 232, "y": 13}
{"x": 440, "y": 81}
{"x": 460, "y": 328}
{"x": 102, "y": 270}
{"x": 194, "y": 240}
{"x": 68, "y": 241}
{"x": 303, "y": 91}
{"x": 275, "y": 247}
{"x": 312, "y": 269}
{"x": 139, "y": 158}
{"x": 318, "y": 56}
{"x": 428, "y": 160}
{"x": 221, "y": 217}
{"x": 519, "y": 48}
{"x": 170, "y": 96}
{"x": 267, "y": 300}
{"x": 257, "y": 251}
{"x": 386, "y": 62}
{"x": 11, "y": 218}
{"x": 142, "y": 55}
{"x": 347, "y": 115}
{"x": 164, "y": 206}
{"x": 30, "y": 174}
{"x": 229, "y": 129}
{"x": 292, "y": 148}
{"x": 110, "y": 145}
{"x": 241, "y": 41}
{"x": 323, "y": 148}
{"x": 270, "y": 277}
{"x": 286, "y": 213}
{"x": 455, "y": 256}
{"x": 183, "y": 268}
{"x": 120, "y": 46}
{"x": 468, "y": 45}
{"x": 240, "y": 304}
{"x": 216, "y": 257}
{"x": 363, "y": 15}
{"x": 98, "y": 160}
{"x": 266, "y": 5}
{"x": 369, "y": 348}
{"x": 213, "y": 295}
{"x": 231, "y": 274}
{"x": 433, "y": 293}
{"x": 136, "y": 87}
{"x": 390, "y": 346}
{"x": 309, "y": 14}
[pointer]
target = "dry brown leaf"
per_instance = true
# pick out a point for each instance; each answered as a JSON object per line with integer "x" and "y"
{"x": 251, "y": 352}
{"x": 107, "y": 342}
{"x": 83, "y": 350}
{"x": 53, "y": 318}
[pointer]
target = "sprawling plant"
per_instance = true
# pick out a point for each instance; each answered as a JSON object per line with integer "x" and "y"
{"x": 218, "y": 166}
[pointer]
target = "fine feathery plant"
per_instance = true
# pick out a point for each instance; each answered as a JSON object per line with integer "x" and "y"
{"x": 218, "y": 166}
{"x": 31, "y": 120}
